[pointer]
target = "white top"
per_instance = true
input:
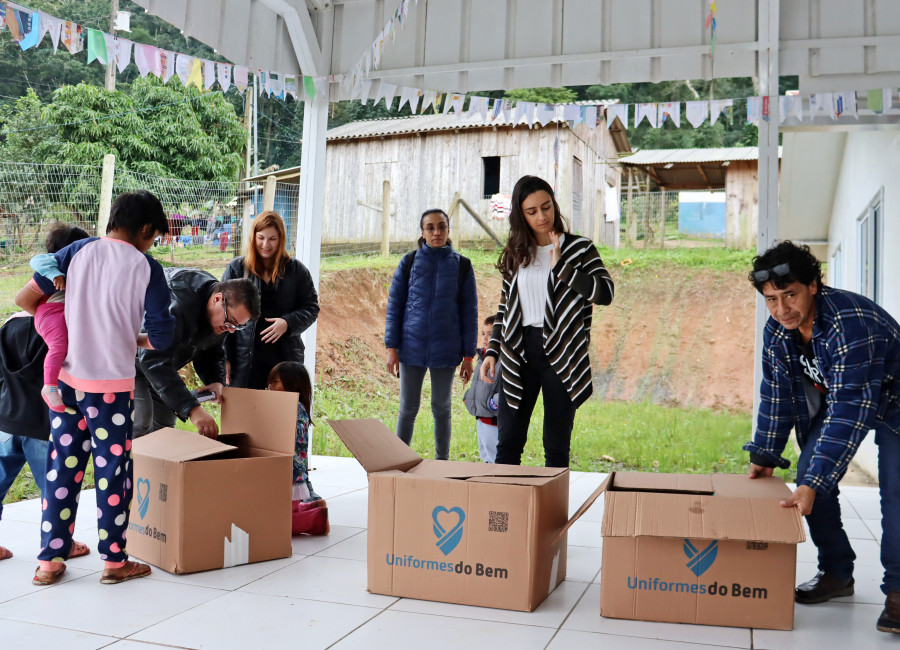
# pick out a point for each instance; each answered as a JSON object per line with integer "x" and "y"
{"x": 532, "y": 280}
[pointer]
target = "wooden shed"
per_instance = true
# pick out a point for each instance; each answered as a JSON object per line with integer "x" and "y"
{"x": 429, "y": 160}
{"x": 732, "y": 169}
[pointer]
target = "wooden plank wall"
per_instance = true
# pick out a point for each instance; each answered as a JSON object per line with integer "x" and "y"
{"x": 741, "y": 204}
{"x": 426, "y": 169}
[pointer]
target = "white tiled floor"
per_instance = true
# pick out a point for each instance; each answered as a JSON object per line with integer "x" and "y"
{"x": 318, "y": 597}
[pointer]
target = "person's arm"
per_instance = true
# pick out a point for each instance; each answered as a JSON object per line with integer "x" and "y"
{"x": 210, "y": 363}
{"x": 855, "y": 373}
{"x": 47, "y": 265}
{"x": 29, "y": 297}
{"x": 468, "y": 315}
{"x": 775, "y": 418}
{"x": 306, "y": 301}
{"x": 591, "y": 280}
{"x": 396, "y": 306}
{"x": 159, "y": 324}
{"x": 491, "y": 364}
{"x": 158, "y": 366}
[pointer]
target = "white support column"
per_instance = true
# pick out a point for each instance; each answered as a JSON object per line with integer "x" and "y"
{"x": 767, "y": 232}
{"x": 311, "y": 202}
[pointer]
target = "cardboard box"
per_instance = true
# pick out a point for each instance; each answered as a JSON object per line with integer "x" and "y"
{"x": 203, "y": 504}
{"x": 712, "y": 549}
{"x": 468, "y": 533}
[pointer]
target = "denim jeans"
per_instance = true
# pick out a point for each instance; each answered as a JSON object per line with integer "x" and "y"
{"x": 836, "y": 556}
{"x": 889, "y": 484}
{"x": 15, "y": 451}
{"x": 411, "y": 379}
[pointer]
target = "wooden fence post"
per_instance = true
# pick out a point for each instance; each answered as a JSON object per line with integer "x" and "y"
{"x": 106, "y": 189}
{"x": 662, "y": 222}
{"x": 269, "y": 193}
{"x": 386, "y": 219}
{"x": 630, "y": 226}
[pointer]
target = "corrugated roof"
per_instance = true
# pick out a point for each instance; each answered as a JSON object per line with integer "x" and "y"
{"x": 665, "y": 156}
{"x": 415, "y": 124}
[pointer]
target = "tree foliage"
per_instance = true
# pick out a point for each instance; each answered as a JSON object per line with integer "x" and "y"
{"x": 163, "y": 129}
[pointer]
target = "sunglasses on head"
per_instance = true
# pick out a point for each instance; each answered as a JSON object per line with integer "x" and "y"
{"x": 780, "y": 270}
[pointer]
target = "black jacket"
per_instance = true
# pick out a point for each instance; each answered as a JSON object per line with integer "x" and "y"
{"x": 296, "y": 302}
{"x": 22, "y": 350}
{"x": 194, "y": 339}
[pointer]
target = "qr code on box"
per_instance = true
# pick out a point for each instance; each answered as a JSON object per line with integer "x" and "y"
{"x": 498, "y": 522}
{"x": 163, "y": 491}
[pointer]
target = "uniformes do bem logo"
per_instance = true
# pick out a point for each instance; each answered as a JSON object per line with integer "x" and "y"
{"x": 447, "y": 539}
{"x": 700, "y": 559}
{"x": 142, "y": 492}
{"x": 447, "y": 524}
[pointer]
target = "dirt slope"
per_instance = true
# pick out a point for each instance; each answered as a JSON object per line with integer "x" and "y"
{"x": 672, "y": 335}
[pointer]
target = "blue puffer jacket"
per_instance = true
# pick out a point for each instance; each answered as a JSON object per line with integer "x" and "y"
{"x": 433, "y": 319}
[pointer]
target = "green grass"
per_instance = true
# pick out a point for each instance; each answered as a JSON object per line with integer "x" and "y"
{"x": 24, "y": 487}
{"x": 713, "y": 259}
{"x": 607, "y": 435}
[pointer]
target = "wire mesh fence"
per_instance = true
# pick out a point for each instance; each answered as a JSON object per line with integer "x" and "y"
{"x": 673, "y": 219}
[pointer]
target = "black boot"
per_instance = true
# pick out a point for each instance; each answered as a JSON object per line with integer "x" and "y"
{"x": 889, "y": 621}
{"x": 822, "y": 588}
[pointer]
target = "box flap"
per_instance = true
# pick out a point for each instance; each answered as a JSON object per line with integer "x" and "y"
{"x": 654, "y": 514}
{"x": 463, "y": 470}
{"x": 375, "y": 446}
{"x": 738, "y": 485}
{"x": 584, "y": 508}
{"x": 268, "y": 417}
{"x": 178, "y": 446}
{"x": 658, "y": 482}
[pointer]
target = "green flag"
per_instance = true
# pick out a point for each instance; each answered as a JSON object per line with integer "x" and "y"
{"x": 310, "y": 85}
{"x": 96, "y": 46}
{"x": 875, "y": 100}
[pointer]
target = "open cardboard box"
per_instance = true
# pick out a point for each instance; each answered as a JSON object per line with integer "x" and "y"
{"x": 203, "y": 504}
{"x": 713, "y": 549}
{"x": 468, "y": 533}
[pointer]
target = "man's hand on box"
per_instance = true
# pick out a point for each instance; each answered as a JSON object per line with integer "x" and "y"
{"x": 215, "y": 388}
{"x": 802, "y": 499}
{"x": 758, "y": 471}
{"x": 205, "y": 423}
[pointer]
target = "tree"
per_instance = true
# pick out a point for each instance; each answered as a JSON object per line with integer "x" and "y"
{"x": 543, "y": 95}
{"x": 163, "y": 129}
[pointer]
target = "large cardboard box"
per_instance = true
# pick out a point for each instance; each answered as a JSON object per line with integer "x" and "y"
{"x": 713, "y": 549}
{"x": 468, "y": 533}
{"x": 203, "y": 504}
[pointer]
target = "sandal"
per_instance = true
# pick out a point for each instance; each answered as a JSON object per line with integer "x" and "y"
{"x": 130, "y": 571}
{"x": 47, "y": 578}
{"x": 79, "y": 550}
{"x": 5, "y": 553}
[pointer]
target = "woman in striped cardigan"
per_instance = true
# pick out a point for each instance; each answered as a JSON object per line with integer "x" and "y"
{"x": 542, "y": 332}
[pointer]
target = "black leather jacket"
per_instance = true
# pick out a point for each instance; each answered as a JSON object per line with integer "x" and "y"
{"x": 194, "y": 339}
{"x": 22, "y": 351}
{"x": 296, "y": 302}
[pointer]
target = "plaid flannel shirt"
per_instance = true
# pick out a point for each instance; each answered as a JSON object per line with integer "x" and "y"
{"x": 857, "y": 345}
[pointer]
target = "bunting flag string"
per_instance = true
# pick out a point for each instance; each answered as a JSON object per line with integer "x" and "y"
{"x": 29, "y": 28}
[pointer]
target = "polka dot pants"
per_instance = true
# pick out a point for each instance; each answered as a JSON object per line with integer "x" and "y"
{"x": 98, "y": 423}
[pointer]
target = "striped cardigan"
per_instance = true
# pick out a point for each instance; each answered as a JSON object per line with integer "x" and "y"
{"x": 577, "y": 282}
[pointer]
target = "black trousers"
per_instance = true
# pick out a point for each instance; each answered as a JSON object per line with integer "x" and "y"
{"x": 559, "y": 414}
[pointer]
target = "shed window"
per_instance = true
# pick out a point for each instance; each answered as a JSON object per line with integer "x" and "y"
{"x": 491, "y": 175}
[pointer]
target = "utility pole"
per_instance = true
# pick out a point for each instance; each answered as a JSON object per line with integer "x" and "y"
{"x": 111, "y": 65}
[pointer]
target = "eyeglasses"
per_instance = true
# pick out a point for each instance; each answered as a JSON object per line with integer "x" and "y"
{"x": 442, "y": 227}
{"x": 234, "y": 327}
{"x": 780, "y": 270}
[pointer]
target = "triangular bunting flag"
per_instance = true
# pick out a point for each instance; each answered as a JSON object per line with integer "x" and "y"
{"x": 309, "y": 85}
{"x": 614, "y": 111}
{"x": 821, "y": 102}
{"x": 478, "y": 106}
{"x": 241, "y": 77}
{"x": 123, "y": 53}
{"x": 386, "y": 91}
{"x": 696, "y": 112}
{"x": 96, "y": 46}
{"x": 718, "y": 107}
{"x": 545, "y": 114}
{"x": 875, "y": 101}
{"x": 290, "y": 86}
{"x": 54, "y": 27}
{"x": 790, "y": 106}
{"x": 167, "y": 64}
{"x": 410, "y": 96}
{"x": 456, "y": 101}
{"x": 647, "y": 110}
{"x": 527, "y": 112}
{"x": 845, "y": 104}
{"x": 671, "y": 111}
{"x": 209, "y": 73}
{"x": 223, "y": 74}
{"x": 30, "y": 26}
{"x": 590, "y": 116}
{"x": 754, "y": 109}
{"x": 184, "y": 65}
{"x": 430, "y": 98}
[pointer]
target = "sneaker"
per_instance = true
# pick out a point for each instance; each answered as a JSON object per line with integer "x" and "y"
{"x": 889, "y": 621}
{"x": 823, "y": 588}
{"x": 53, "y": 398}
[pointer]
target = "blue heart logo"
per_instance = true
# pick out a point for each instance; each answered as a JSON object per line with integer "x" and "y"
{"x": 143, "y": 497}
{"x": 699, "y": 561}
{"x": 447, "y": 540}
